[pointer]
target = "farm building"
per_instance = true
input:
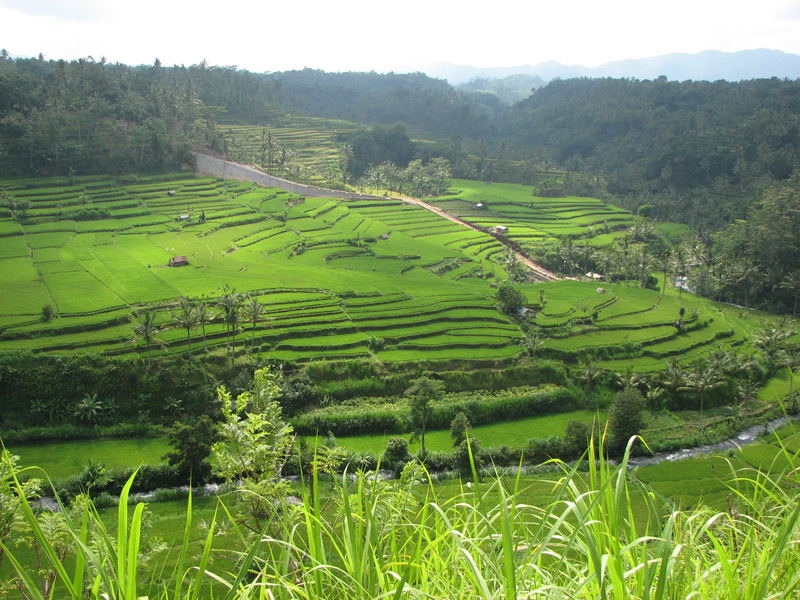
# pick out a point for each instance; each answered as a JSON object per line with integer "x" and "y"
{"x": 502, "y": 229}
{"x": 178, "y": 261}
{"x": 182, "y": 218}
{"x": 595, "y": 276}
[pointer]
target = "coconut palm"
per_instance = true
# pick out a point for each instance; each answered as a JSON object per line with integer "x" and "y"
{"x": 791, "y": 362}
{"x": 186, "y": 317}
{"x": 702, "y": 379}
{"x": 590, "y": 374}
{"x": 89, "y": 410}
{"x": 673, "y": 378}
{"x": 791, "y": 283}
{"x": 231, "y": 304}
{"x": 655, "y": 397}
{"x": 253, "y": 311}
{"x": 204, "y": 317}
{"x": 145, "y": 329}
{"x": 533, "y": 342}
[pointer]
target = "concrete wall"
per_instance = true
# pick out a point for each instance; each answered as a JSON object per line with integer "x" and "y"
{"x": 216, "y": 167}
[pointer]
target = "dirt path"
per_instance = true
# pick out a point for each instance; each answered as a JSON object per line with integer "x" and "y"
{"x": 539, "y": 272}
{"x": 211, "y": 165}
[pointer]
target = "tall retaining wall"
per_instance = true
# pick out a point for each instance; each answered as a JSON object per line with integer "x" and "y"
{"x": 217, "y": 167}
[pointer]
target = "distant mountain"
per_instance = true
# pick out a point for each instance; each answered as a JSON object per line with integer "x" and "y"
{"x": 709, "y": 65}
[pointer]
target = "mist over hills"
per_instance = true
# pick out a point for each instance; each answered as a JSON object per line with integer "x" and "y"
{"x": 710, "y": 65}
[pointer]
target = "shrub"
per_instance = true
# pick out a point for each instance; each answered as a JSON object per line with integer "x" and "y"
{"x": 396, "y": 454}
{"x": 625, "y": 417}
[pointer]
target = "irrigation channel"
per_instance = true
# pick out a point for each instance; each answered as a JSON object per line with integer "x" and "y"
{"x": 206, "y": 164}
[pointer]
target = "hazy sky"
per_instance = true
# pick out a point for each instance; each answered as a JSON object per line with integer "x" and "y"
{"x": 268, "y": 35}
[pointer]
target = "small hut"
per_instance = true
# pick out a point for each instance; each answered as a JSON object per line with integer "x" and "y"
{"x": 178, "y": 261}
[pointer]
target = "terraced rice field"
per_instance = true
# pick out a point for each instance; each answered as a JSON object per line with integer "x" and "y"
{"x": 301, "y": 148}
{"x": 530, "y": 218}
{"x": 625, "y": 327}
{"x": 339, "y": 278}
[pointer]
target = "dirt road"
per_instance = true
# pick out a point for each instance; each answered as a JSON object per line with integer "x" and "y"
{"x": 539, "y": 272}
{"x": 211, "y": 165}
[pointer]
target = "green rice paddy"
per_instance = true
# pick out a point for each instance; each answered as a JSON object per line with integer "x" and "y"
{"x": 338, "y": 278}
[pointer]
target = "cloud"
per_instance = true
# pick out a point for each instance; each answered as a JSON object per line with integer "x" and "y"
{"x": 73, "y": 10}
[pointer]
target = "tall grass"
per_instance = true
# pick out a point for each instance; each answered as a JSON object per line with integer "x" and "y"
{"x": 601, "y": 536}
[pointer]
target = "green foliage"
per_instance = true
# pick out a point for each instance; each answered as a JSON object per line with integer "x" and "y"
{"x": 480, "y": 407}
{"x": 192, "y": 442}
{"x": 55, "y": 385}
{"x": 625, "y": 417}
{"x": 509, "y": 299}
{"x": 372, "y": 147}
{"x": 48, "y": 312}
{"x": 396, "y": 454}
{"x": 421, "y": 393}
{"x": 254, "y": 445}
{"x": 459, "y": 428}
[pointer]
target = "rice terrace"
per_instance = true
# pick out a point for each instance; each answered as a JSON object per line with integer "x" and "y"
{"x": 306, "y": 335}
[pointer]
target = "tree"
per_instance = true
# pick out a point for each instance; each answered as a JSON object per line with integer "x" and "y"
{"x": 204, "y": 317}
{"x": 590, "y": 374}
{"x": 192, "y": 442}
{"x": 253, "y": 311}
{"x": 516, "y": 271}
{"x": 93, "y": 476}
{"x": 396, "y": 453}
{"x": 253, "y": 446}
{"x": 791, "y": 361}
{"x": 459, "y": 427}
{"x": 89, "y": 410}
{"x": 186, "y": 317}
{"x": 577, "y": 436}
{"x": 145, "y": 329}
{"x": 533, "y": 342}
{"x": 469, "y": 454}
{"x": 231, "y": 304}
{"x": 509, "y": 299}
{"x": 791, "y": 282}
{"x": 421, "y": 393}
{"x": 48, "y": 312}
{"x": 625, "y": 417}
{"x": 702, "y": 379}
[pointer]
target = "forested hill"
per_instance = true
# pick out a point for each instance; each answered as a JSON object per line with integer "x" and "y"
{"x": 680, "y": 141}
{"x": 87, "y": 116}
{"x": 426, "y": 105}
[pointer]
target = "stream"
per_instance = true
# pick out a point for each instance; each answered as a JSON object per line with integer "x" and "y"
{"x": 744, "y": 437}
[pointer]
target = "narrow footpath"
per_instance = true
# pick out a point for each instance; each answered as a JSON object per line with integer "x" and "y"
{"x": 217, "y": 167}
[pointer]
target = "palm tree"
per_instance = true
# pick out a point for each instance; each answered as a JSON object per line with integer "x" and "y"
{"x": 204, "y": 317}
{"x": 791, "y": 362}
{"x": 145, "y": 329}
{"x": 630, "y": 379}
{"x": 590, "y": 374}
{"x": 702, "y": 379}
{"x": 253, "y": 311}
{"x": 679, "y": 265}
{"x": 186, "y": 317}
{"x": 673, "y": 377}
{"x": 791, "y": 282}
{"x": 231, "y": 304}
{"x": 89, "y": 410}
{"x": 533, "y": 342}
{"x": 654, "y": 396}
